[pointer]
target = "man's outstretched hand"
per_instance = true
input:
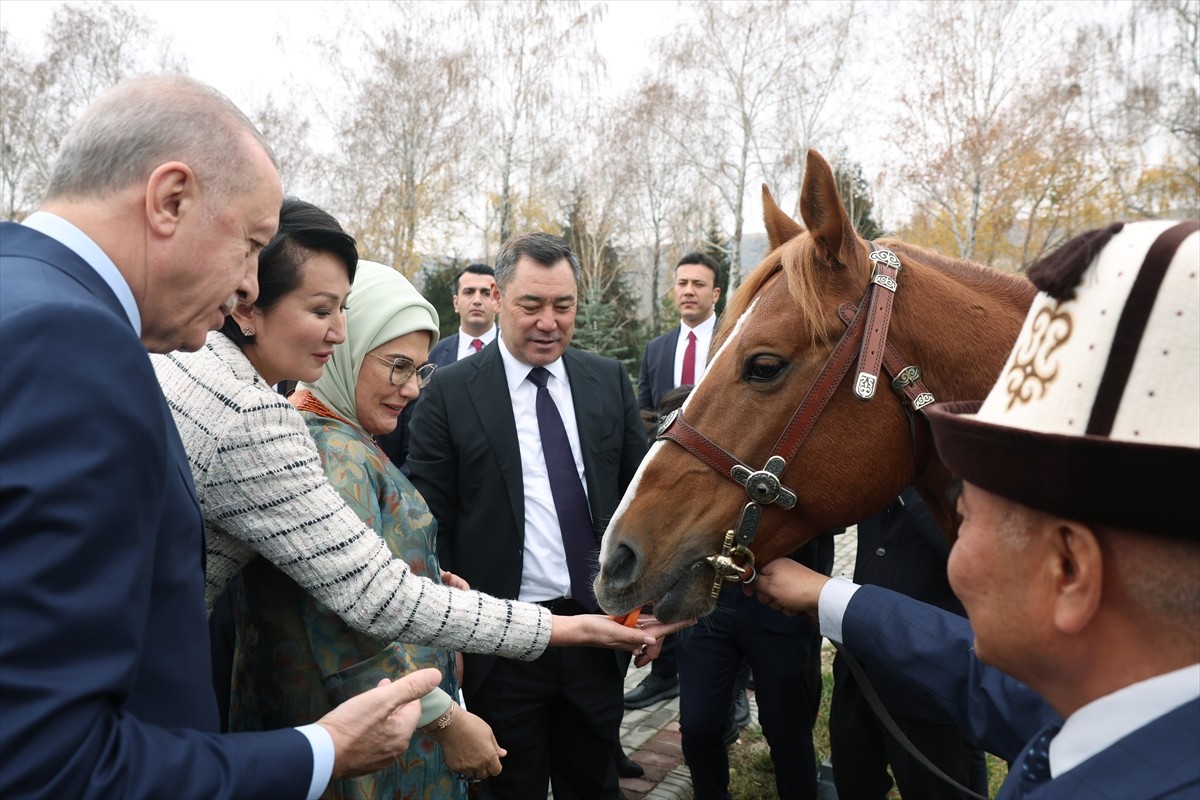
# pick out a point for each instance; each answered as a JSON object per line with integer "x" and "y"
{"x": 371, "y": 729}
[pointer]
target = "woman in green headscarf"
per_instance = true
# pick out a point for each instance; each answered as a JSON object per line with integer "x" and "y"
{"x": 297, "y": 658}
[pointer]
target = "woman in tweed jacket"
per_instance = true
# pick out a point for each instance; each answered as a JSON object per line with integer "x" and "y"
{"x": 262, "y": 488}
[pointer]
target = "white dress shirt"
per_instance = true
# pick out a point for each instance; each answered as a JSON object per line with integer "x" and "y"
{"x": 464, "y": 341}
{"x": 704, "y": 335}
{"x": 544, "y": 573}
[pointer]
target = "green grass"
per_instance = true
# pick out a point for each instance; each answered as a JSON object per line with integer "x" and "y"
{"x": 751, "y": 776}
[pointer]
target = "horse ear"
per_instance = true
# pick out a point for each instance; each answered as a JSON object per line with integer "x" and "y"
{"x": 780, "y": 227}
{"x": 823, "y": 213}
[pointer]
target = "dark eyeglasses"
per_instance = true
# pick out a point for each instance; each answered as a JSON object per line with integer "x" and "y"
{"x": 403, "y": 369}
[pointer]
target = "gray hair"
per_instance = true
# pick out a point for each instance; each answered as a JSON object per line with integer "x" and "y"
{"x": 144, "y": 122}
{"x": 543, "y": 248}
{"x": 1159, "y": 575}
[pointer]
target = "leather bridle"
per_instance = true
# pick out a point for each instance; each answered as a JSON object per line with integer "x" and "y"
{"x": 865, "y": 336}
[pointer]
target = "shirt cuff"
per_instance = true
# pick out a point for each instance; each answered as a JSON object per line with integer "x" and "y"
{"x": 322, "y": 749}
{"x": 831, "y": 606}
{"x": 433, "y": 705}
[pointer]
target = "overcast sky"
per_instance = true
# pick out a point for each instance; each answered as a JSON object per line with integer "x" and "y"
{"x": 246, "y": 47}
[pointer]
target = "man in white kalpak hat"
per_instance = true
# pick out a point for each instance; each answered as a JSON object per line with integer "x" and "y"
{"x": 1078, "y": 557}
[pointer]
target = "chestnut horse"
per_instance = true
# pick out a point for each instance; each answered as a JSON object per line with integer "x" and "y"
{"x": 845, "y": 452}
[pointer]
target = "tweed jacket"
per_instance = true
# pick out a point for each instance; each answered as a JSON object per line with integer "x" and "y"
{"x": 263, "y": 491}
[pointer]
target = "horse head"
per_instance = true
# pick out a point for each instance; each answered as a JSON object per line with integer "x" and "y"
{"x": 956, "y": 321}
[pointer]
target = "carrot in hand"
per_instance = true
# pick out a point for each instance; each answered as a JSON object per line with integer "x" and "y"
{"x": 628, "y": 620}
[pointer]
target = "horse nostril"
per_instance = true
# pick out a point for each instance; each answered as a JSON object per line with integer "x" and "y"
{"x": 622, "y": 566}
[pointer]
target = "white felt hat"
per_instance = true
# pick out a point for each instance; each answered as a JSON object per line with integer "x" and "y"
{"x": 1096, "y": 414}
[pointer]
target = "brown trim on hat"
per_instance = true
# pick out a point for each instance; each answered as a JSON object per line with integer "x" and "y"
{"x": 1094, "y": 480}
{"x": 1132, "y": 326}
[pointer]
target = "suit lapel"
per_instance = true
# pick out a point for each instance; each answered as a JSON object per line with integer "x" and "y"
{"x": 666, "y": 371}
{"x": 493, "y": 405}
{"x": 1153, "y": 761}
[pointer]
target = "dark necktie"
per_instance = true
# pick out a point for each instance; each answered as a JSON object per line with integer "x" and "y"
{"x": 476, "y": 345}
{"x": 688, "y": 374}
{"x": 1035, "y": 769}
{"x": 570, "y": 502}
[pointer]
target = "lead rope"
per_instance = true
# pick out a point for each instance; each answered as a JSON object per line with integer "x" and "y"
{"x": 890, "y": 724}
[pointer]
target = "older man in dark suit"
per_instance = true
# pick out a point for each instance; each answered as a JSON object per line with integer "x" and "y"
{"x": 160, "y": 200}
{"x": 523, "y": 452}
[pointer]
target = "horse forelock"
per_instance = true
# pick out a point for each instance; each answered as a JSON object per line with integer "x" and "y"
{"x": 810, "y": 282}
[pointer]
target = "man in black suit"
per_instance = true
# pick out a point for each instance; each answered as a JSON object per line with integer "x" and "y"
{"x": 666, "y": 360}
{"x": 677, "y": 358}
{"x": 523, "y": 453}
{"x": 476, "y": 309}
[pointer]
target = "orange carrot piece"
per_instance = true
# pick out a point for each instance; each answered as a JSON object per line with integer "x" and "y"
{"x": 629, "y": 620}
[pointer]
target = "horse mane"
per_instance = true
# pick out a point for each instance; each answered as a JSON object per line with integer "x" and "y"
{"x": 810, "y": 286}
{"x": 1006, "y": 285}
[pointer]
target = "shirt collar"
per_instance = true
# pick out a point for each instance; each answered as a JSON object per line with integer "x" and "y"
{"x": 1103, "y": 722}
{"x": 486, "y": 337}
{"x": 703, "y": 329}
{"x": 516, "y": 372}
{"x": 78, "y": 242}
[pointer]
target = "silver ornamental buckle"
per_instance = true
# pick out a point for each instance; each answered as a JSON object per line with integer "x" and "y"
{"x": 864, "y": 387}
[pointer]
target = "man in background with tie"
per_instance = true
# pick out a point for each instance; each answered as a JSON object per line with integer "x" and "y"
{"x": 677, "y": 358}
{"x": 476, "y": 309}
{"x": 521, "y": 491}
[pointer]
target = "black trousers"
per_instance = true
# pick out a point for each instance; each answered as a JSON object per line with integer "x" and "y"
{"x": 559, "y": 718}
{"x": 863, "y": 749}
{"x": 782, "y": 658}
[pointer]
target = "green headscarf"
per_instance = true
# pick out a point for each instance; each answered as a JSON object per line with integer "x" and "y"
{"x": 383, "y": 305}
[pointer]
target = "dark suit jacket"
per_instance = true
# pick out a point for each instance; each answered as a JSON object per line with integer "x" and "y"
{"x": 466, "y": 461}
{"x": 395, "y": 444}
{"x": 103, "y": 638}
{"x": 445, "y": 352}
{"x": 903, "y": 548}
{"x": 931, "y": 654}
{"x": 657, "y": 374}
{"x": 1159, "y": 760}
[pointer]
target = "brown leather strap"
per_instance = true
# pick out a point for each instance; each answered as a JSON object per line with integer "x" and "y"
{"x": 820, "y": 393}
{"x": 677, "y": 429}
{"x": 906, "y": 379}
{"x": 880, "y": 294}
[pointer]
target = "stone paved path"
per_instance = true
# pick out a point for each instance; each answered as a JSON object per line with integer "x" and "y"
{"x": 651, "y": 735}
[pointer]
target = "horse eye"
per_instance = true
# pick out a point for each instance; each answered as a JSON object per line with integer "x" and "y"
{"x": 764, "y": 368}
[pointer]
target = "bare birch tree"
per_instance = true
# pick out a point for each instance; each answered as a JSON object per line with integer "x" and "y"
{"x": 88, "y": 49}
{"x": 404, "y": 136}
{"x": 1140, "y": 84}
{"x": 537, "y": 54}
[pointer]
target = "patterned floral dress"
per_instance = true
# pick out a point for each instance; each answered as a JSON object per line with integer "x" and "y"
{"x": 296, "y": 659}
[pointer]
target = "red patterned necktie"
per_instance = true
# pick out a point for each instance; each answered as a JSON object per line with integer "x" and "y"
{"x": 476, "y": 345}
{"x": 688, "y": 375}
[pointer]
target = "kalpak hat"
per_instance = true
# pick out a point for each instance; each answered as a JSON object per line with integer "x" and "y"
{"x": 1096, "y": 414}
